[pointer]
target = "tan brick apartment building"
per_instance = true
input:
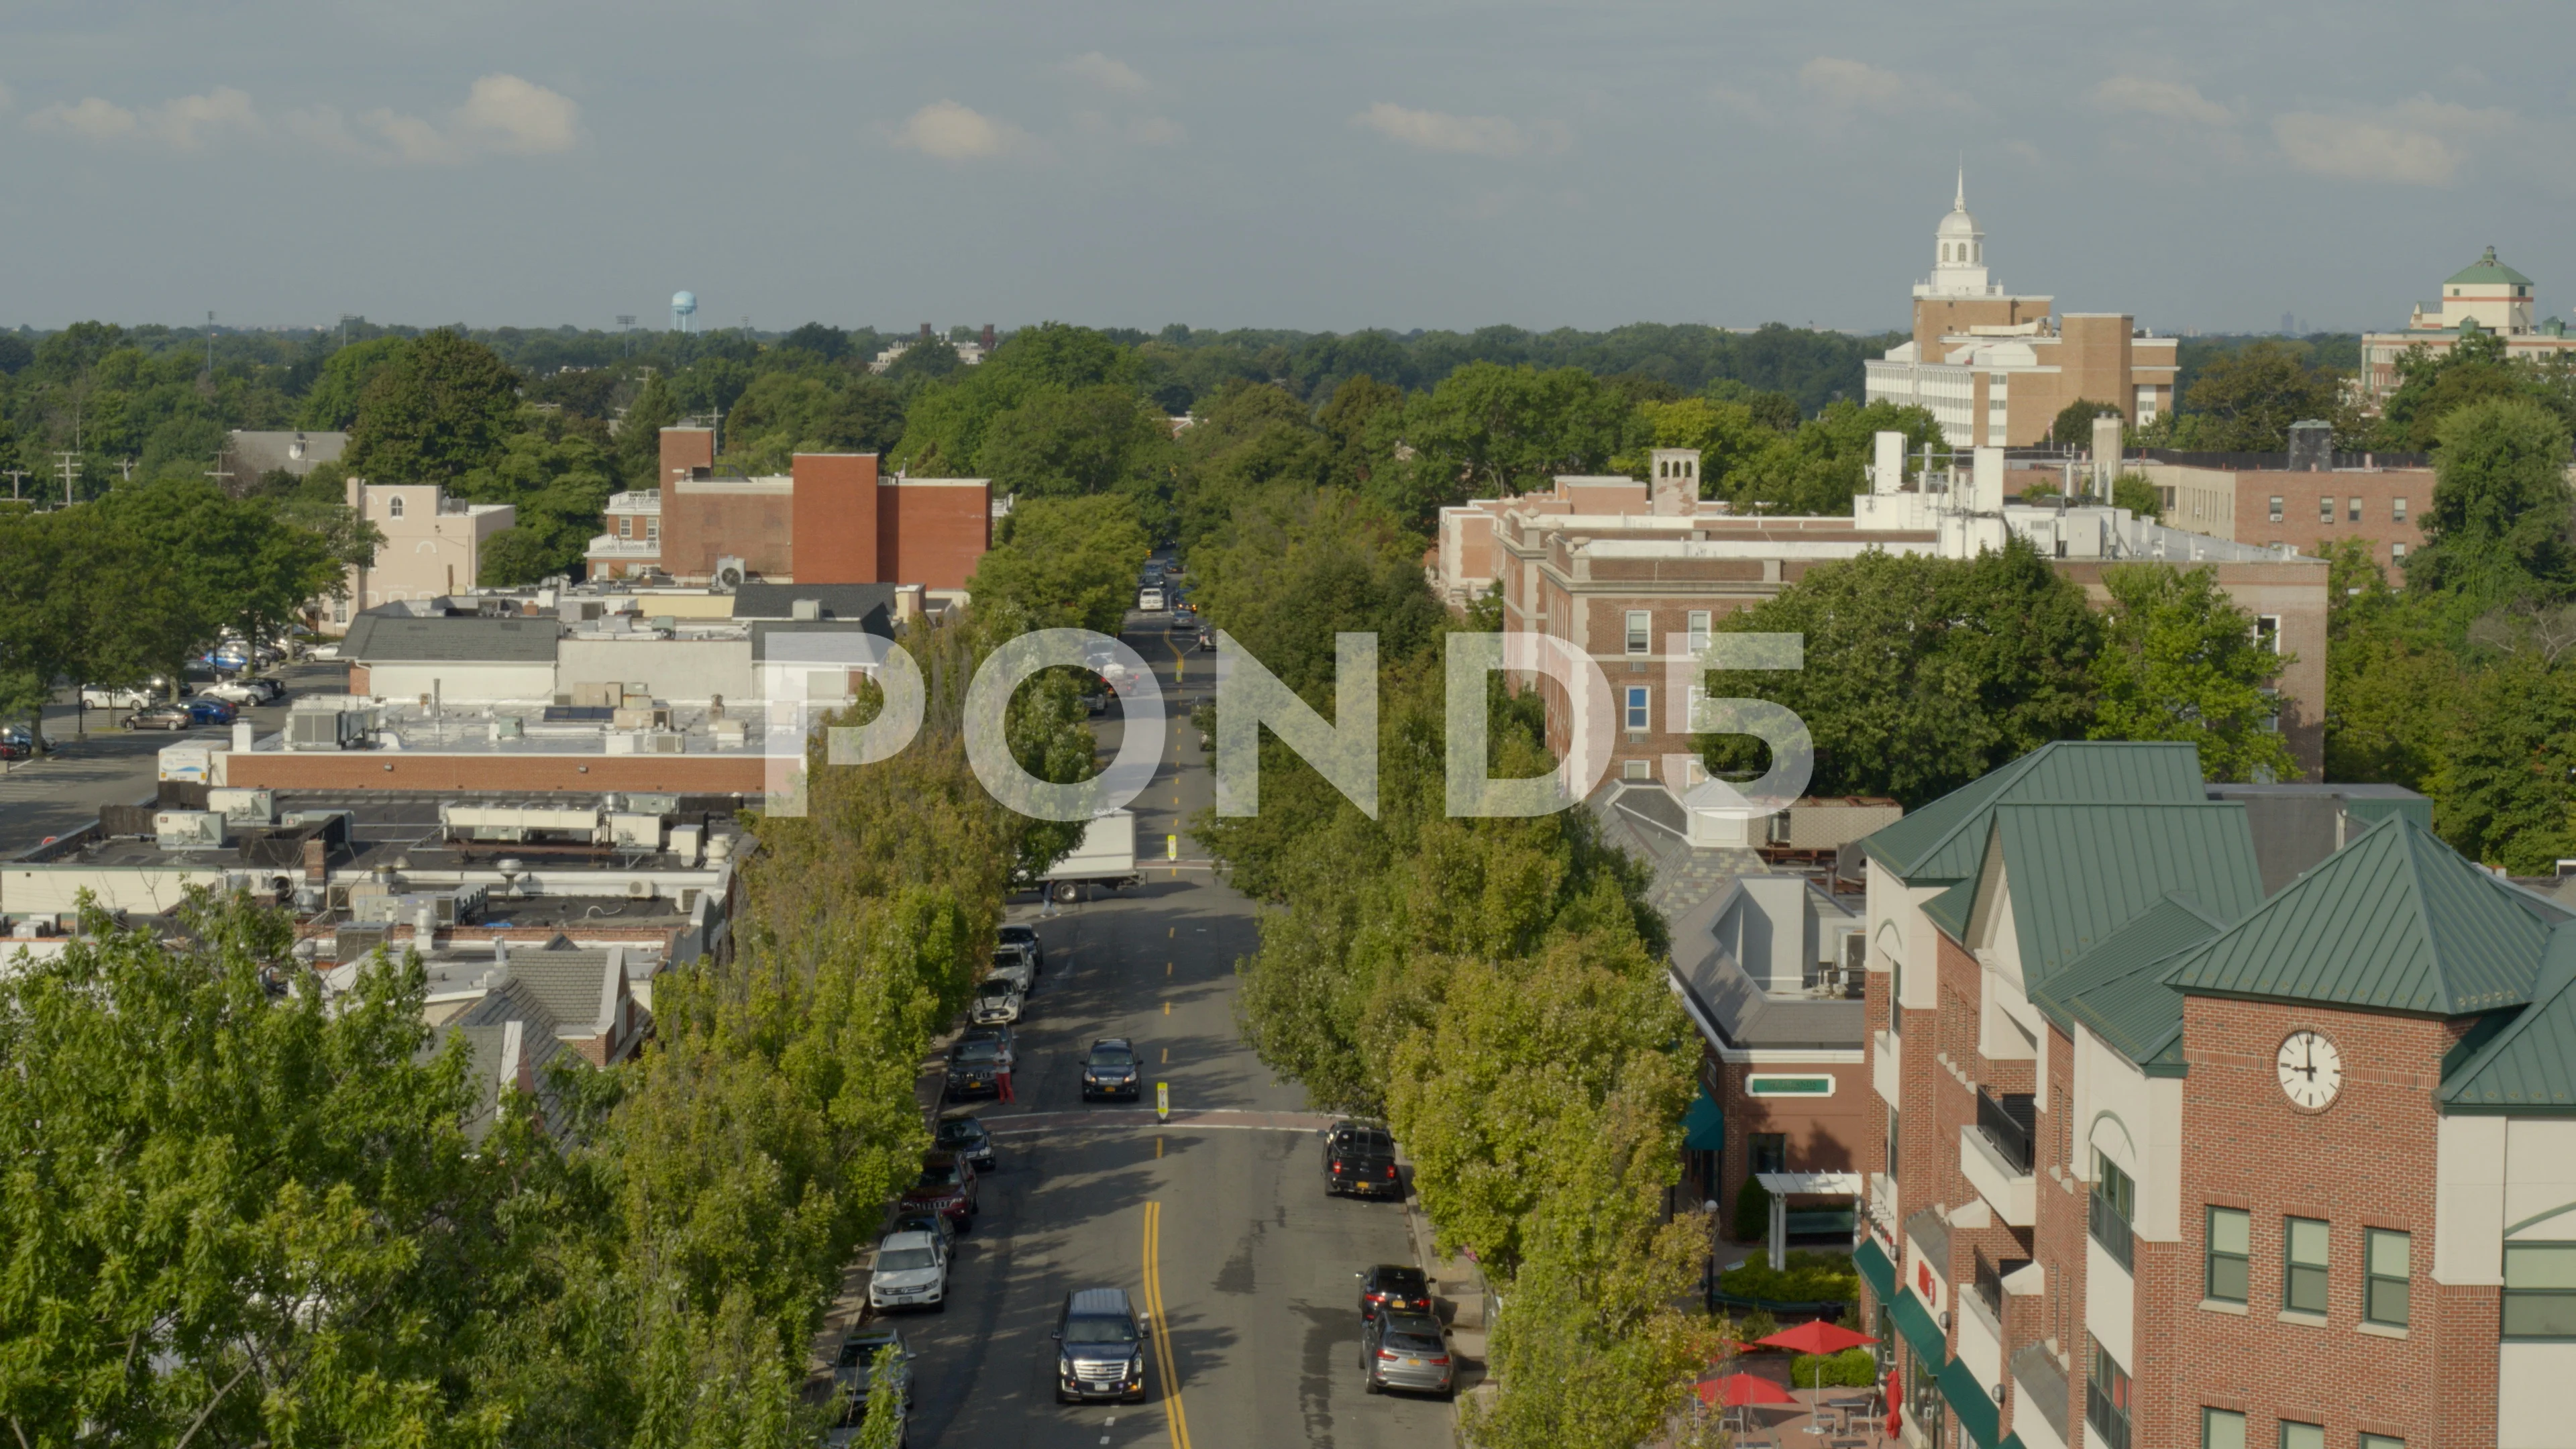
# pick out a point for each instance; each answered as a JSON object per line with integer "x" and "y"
{"x": 433, "y": 543}
{"x": 2168, "y": 1161}
{"x": 1623, "y": 569}
{"x": 2380, "y": 499}
{"x": 1995, "y": 369}
{"x": 830, "y": 520}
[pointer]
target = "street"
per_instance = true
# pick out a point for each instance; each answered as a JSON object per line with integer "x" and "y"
{"x": 1218, "y": 1226}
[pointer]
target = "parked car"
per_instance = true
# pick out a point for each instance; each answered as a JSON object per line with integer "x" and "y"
{"x": 246, "y": 689}
{"x": 1110, "y": 1070}
{"x": 997, "y": 1002}
{"x": 975, "y": 1067}
{"x": 1393, "y": 1288}
{"x": 142, "y": 696}
{"x": 161, "y": 717}
{"x": 924, "y": 1220}
{"x": 1012, "y": 964}
{"x": 1407, "y": 1351}
{"x": 946, "y": 1186}
{"x": 966, "y": 1136}
{"x": 911, "y": 1271}
{"x": 1025, "y": 936}
{"x": 323, "y": 651}
{"x": 207, "y": 711}
{"x": 853, "y": 1368}
{"x": 17, "y": 744}
{"x": 1100, "y": 1347}
{"x": 1359, "y": 1157}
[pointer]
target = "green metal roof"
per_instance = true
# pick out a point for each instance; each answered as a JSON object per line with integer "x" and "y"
{"x": 1877, "y": 1268}
{"x": 1944, "y": 840}
{"x": 2079, "y": 873}
{"x": 1950, "y": 909}
{"x": 2487, "y": 269}
{"x": 2531, "y": 1064}
{"x": 2396, "y": 921}
{"x": 1971, "y": 1403}
{"x": 2118, "y": 989}
{"x": 1914, "y": 1321}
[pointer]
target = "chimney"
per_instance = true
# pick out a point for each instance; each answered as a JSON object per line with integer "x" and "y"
{"x": 1986, "y": 482}
{"x": 907, "y": 604}
{"x": 925, "y": 332}
{"x": 1887, "y": 473}
{"x": 1672, "y": 483}
{"x": 2106, "y": 453}
{"x": 987, "y": 338}
{"x": 317, "y": 869}
{"x": 245, "y": 737}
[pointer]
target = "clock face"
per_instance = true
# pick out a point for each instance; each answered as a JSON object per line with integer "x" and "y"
{"x": 2311, "y": 1070}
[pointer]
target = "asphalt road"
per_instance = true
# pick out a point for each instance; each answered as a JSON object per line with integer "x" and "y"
{"x": 1218, "y": 1225}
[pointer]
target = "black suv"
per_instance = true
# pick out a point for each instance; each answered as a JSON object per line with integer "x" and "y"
{"x": 1025, "y": 936}
{"x": 1100, "y": 1347}
{"x": 1359, "y": 1157}
{"x": 1393, "y": 1288}
{"x": 1111, "y": 1071}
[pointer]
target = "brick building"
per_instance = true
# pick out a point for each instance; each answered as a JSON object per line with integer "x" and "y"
{"x": 831, "y": 519}
{"x": 2309, "y": 503}
{"x": 2167, "y": 1161}
{"x": 433, "y": 544}
{"x": 1623, "y": 569}
{"x": 1995, "y": 369}
{"x": 2484, "y": 296}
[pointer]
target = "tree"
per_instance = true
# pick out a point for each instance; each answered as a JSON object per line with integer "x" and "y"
{"x": 2180, "y": 662}
{"x": 2393, "y": 692}
{"x": 2245, "y": 401}
{"x": 1254, "y": 435}
{"x": 2498, "y": 527}
{"x": 2073, "y": 427}
{"x": 2502, "y": 795}
{"x": 1362, "y": 421}
{"x": 439, "y": 410}
{"x": 331, "y": 404}
{"x": 82, "y": 602}
{"x": 1102, "y": 438}
{"x": 639, "y": 436}
{"x": 1494, "y": 431}
{"x": 1922, "y": 674}
{"x": 2135, "y": 493}
{"x": 1297, "y": 565}
{"x": 1062, "y": 563}
{"x": 827, "y": 342}
{"x": 926, "y": 360}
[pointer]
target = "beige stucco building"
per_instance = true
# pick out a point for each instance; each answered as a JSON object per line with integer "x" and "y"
{"x": 433, "y": 543}
{"x": 2485, "y": 296}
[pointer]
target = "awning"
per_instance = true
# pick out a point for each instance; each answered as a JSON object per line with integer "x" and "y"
{"x": 1876, "y": 1271}
{"x": 1971, "y": 1403}
{"x": 2013, "y": 1441}
{"x": 1791, "y": 1184}
{"x": 1704, "y": 1125}
{"x": 1914, "y": 1321}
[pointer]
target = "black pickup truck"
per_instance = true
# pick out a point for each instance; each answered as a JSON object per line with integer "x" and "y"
{"x": 1359, "y": 1158}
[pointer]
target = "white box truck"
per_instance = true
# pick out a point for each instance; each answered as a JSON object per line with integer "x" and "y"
{"x": 1106, "y": 857}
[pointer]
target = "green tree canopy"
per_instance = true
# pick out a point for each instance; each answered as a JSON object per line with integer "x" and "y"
{"x": 1493, "y": 431}
{"x": 2073, "y": 427}
{"x": 1062, "y": 563}
{"x": 332, "y": 403}
{"x": 1298, "y": 565}
{"x": 438, "y": 410}
{"x": 2244, "y": 401}
{"x": 2497, "y": 530}
{"x": 2178, "y": 661}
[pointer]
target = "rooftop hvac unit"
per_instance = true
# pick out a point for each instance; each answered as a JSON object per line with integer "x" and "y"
{"x": 445, "y": 908}
{"x": 325, "y": 729}
{"x": 578, "y": 824}
{"x": 188, "y": 829}
{"x": 639, "y": 889}
{"x": 729, "y": 572}
{"x": 241, "y": 806}
{"x": 635, "y": 832}
{"x": 662, "y": 743}
{"x": 651, "y": 802}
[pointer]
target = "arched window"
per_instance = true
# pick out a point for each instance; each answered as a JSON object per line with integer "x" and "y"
{"x": 393, "y": 506}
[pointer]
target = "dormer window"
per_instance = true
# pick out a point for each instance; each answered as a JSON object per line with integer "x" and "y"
{"x": 394, "y": 506}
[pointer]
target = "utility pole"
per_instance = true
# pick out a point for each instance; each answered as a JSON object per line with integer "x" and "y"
{"x": 626, "y": 324}
{"x": 210, "y": 346}
{"x": 69, "y": 469}
{"x": 14, "y": 475}
{"x": 219, "y": 473}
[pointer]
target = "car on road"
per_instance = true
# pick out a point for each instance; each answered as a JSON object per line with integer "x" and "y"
{"x": 975, "y": 1066}
{"x": 1359, "y": 1158}
{"x": 924, "y": 1220}
{"x": 1183, "y": 622}
{"x": 207, "y": 711}
{"x": 1100, "y": 1347}
{"x": 911, "y": 1271}
{"x": 997, "y": 1003}
{"x": 1109, "y": 1070}
{"x": 852, "y": 1370}
{"x": 966, "y": 1136}
{"x": 17, "y": 744}
{"x": 323, "y": 651}
{"x": 1407, "y": 1351}
{"x": 138, "y": 697}
{"x": 1027, "y": 937}
{"x": 946, "y": 1186}
{"x": 247, "y": 689}
{"x": 1012, "y": 964}
{"x": 161, "y": 717}
{"x": 1393, "y": 1288}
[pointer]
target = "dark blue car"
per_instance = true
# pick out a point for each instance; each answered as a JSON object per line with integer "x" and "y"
{"x": 207, "y": 711}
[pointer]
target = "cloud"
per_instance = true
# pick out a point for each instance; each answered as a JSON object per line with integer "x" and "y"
{"x": 1115, "y": 76}
{"x": 947, "y": 131}
{"x": 1461, "y": 135}
{"x": 1744, "y": 104}
{"x": 502, "y": 114}
{"x": 2171, "y": 100}
{"x": 2419, "y": 142}
{"x": 187, "y": 123}
{"x": 1855, "y": 85}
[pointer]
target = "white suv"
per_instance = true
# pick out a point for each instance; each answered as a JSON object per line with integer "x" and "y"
{"x": 911, "y": 1272}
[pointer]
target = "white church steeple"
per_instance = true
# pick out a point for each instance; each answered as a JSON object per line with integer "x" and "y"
{"x": 1958, "y": 252}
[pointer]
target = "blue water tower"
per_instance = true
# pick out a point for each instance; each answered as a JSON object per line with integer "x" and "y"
{"x": 684, "y": 305}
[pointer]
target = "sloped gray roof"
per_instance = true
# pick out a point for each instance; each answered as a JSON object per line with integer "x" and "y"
{"x": 838, "y": 601}
{"x": 1944, "y": 840}
{"x": 391, "y": 639}
{"x": 485, "y": 1029}
{"x": 576, "y": 985}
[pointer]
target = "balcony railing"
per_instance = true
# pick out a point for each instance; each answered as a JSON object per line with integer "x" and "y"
{"x": 1990, "y": 1287}
{"x": 2006, "y": 1122}
{"x": 2112, "y": 1231}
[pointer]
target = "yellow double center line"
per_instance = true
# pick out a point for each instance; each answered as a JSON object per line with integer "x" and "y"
{"x": 1174, "y": 1418}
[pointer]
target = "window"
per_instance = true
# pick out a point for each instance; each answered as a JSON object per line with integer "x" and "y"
{"x": 1637, "y": 769}
{"x": 2397, "y": 553}
{"x": 653, "y": 529}
{"x": 1699, "y": 619}
{"x": 1788, "y": 1086}
{"x": 2540, "y": 1290}
{"x": 2325, "y": 508}
{"x": 2353, "y": 511}
{"x": 2276, "y": 508}
{"x": 2295, "y": 1435}
{"x": 1893, "y": 1137}
{"x": 393, "y": 506}
{"x": 2382, "y": 1441}
{"x": 1641, "y": 628}
{"x": 340, "y": 610}
{"x": 1770, "y": 1151}
{"x": 2384, "y": 1277}
{"x": 2231, "y": 1235}
{"x": 2303, "y": 1279}
{"x": 2221, "y": 1429}
{"x": 2114, "y": 1201}
{"x": 2267, "y": 633}
{"x": 2106, "y": 1399}
{"x": 2397, "y": 509}
{"x": 625, "y": 527}
{"x": 1639, "y": 697}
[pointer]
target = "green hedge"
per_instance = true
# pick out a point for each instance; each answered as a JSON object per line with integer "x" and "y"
{"x": 1853, "y": 1368}
{"x": 1809, "y": 1278}
{"x": 1752, "y": 1212}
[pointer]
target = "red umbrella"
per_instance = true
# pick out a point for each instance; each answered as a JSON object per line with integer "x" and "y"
{"x": 1737, "y": 1390}
{"x": 1817, "y": 1337}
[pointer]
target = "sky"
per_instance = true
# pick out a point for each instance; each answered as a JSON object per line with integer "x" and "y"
{"x": 1324, "y": 165}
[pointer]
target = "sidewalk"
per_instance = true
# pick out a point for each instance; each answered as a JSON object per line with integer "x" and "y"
{"x": 1459, "y": 1297}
